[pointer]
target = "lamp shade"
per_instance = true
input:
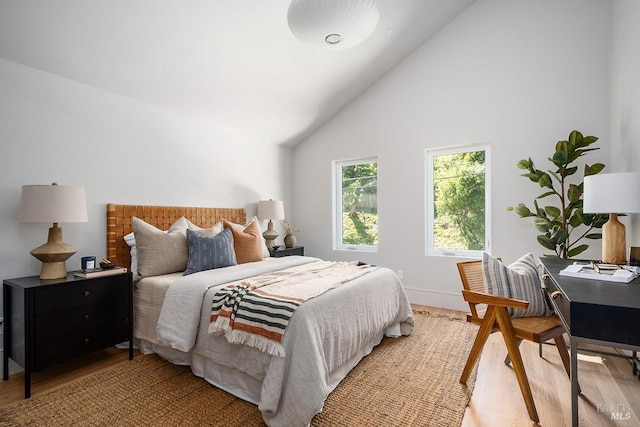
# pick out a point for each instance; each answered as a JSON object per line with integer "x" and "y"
{"x": 52, "y": 203}
{"x": 337, "y": 24}
{"x": 612, "y": 193}
{"x": 271, "y": 209}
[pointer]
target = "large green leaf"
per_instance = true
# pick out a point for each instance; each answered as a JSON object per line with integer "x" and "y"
{"x": 546, "y": 242}
{"x": 548, "y": 193}
{"x": 524, "y": 164}
{"x": 559, "y": 235}
{"x": 541, "y": 224}
{"x": 560, "y": 157}
{"x": 593, "y": 169}
{"x": 570, "y": 171}
{"x": 522, "y": 210}
{"x": 552, "y": 211}
{"x": 577, "y": 250}
{"x": 576, "y": 138}
{"x": 574, "y": 193}
{"x": 588, "y": 140}
{"x": 545, "y": 181}
{"x": 594, "y": 236}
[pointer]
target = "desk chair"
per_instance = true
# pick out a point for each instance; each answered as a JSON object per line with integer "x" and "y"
{"x": 514, "y": 330}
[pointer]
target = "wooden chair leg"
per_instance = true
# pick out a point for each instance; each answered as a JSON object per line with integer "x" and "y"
{"x": 516, "y": 359}
{"x": 507, "y": 359}
{"x": 481, "y": 338}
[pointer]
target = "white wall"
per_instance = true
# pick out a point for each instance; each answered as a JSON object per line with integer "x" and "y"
{"x": 121, "y": 151}
{"x": 517, "y": 74}
{"x": 625, "y": 94}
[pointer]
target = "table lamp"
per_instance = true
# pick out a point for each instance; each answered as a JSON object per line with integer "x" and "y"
{"x": 54, "y": 204}
{"x": 612, "y": 193}
{"x": 270, "y": 209}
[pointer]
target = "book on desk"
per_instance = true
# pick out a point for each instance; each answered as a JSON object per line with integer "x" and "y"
{"x": 600, "y": 271}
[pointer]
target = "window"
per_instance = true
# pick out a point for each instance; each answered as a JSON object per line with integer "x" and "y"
{"x": 458, "y": 197}
{"x": 356, "y": 204}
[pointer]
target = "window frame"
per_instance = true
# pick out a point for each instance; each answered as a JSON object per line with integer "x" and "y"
{"x": 430, "y": 153}
{"x": 338, "y": 244}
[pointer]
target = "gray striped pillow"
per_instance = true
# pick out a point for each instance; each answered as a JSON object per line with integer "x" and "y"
{"x": 520, "y": 280}
{"x": 207, "y": 253}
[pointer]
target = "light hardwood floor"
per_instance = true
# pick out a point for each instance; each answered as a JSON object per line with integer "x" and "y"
{"x": 496, "y": 399}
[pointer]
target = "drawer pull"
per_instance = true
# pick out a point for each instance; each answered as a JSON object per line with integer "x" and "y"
{"x": 555, "y": 294}
{"x": 87, "y": 317}
{"x": 86, "y": 293}
{"x": 87, "y": 341}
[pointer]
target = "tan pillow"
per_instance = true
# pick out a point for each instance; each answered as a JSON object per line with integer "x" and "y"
{"x": 160, "y": 252}
{"x": 240, "y": 227}
{"x": 247, "y": 243}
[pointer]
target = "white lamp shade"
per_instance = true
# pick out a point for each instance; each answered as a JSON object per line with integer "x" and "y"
{"x": 336, "y": 24}
{"x": 52, "y": 203}
{"x": 612, "y": 193}
{"x": 271, "y": 209}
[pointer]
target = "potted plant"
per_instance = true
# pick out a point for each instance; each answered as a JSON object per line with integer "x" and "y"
{"x": 564, "y": 224}
{"x": 290, "y": 234}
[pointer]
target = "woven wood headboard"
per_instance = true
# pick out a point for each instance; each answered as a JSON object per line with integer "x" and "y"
{"x": 162, "y": 217}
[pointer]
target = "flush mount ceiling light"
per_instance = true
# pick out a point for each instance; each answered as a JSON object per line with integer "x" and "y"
{"x": 336, "y": 24}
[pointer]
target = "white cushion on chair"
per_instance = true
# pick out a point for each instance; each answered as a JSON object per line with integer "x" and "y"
{"x": 520, "y": 280}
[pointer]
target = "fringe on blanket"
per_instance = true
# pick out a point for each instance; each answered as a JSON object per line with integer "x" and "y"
{"x": 222, "y": 327}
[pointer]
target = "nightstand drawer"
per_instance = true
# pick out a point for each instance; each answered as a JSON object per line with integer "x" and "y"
{"x": 82, "y": 292}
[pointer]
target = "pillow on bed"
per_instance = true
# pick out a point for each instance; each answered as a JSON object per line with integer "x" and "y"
{"x": 240, "y": 227}
{"x": 520, "y": 280}
{"x": 160, "y": 252}
{"x": 207, "y": 253}
{"x": 207, "y": 232}
{"x": 247, "y": 242}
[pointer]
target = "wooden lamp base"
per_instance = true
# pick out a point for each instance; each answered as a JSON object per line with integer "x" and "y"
{"x": 614, "y": 246}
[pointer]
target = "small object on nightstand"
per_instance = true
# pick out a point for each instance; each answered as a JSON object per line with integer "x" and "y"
{"x": 296, "y": 250}
{"x": 105, "y": 264}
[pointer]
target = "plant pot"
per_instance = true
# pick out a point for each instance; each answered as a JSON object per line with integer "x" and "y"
{"x": 290, "y": 240}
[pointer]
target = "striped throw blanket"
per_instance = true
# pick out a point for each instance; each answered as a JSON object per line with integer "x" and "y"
{"x": 256, "y": 311}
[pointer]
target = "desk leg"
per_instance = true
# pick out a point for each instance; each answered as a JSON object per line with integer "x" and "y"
{"x": 575, "y": 389}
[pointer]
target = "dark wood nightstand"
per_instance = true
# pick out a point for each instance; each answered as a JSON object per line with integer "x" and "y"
{"x": 280, "y": 252}
{"x": 48, "y": 323}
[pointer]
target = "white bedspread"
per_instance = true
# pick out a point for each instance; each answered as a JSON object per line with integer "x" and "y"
{"x": 326, "y": 337}
{"x": 180, "y": 314}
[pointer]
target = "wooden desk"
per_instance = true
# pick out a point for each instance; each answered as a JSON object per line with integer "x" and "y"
{"x": 592, "y": 311}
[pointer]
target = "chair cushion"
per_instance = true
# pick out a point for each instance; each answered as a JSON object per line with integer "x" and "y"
{"x": 520, "y": 280}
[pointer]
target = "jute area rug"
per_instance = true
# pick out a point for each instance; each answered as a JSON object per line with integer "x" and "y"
{"x": 408, "y": 381}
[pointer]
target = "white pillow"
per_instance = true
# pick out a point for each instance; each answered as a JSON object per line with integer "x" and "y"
{"x": 206, "y": 232}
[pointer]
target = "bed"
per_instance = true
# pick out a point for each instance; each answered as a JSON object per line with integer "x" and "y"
{"x": 326, "y": 336}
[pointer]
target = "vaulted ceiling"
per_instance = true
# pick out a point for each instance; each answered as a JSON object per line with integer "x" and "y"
{"x": 233, "y": 62}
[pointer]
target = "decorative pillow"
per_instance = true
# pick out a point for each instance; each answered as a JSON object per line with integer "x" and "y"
{"x": 207, "y": 232}
{"x": 207, "y": 253}
{"x": 160, "y": 252}
{"x": 247, "y": 242}
{"x": 520, "y": 280}
{"x": 240, "y": 227}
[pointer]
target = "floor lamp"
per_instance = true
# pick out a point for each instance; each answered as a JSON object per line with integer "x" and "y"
{"x": 613, "y": 193}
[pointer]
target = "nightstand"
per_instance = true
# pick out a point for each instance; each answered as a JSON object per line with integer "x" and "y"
{"x": 296, "y": 250}
{"x": 52, "y": 322}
